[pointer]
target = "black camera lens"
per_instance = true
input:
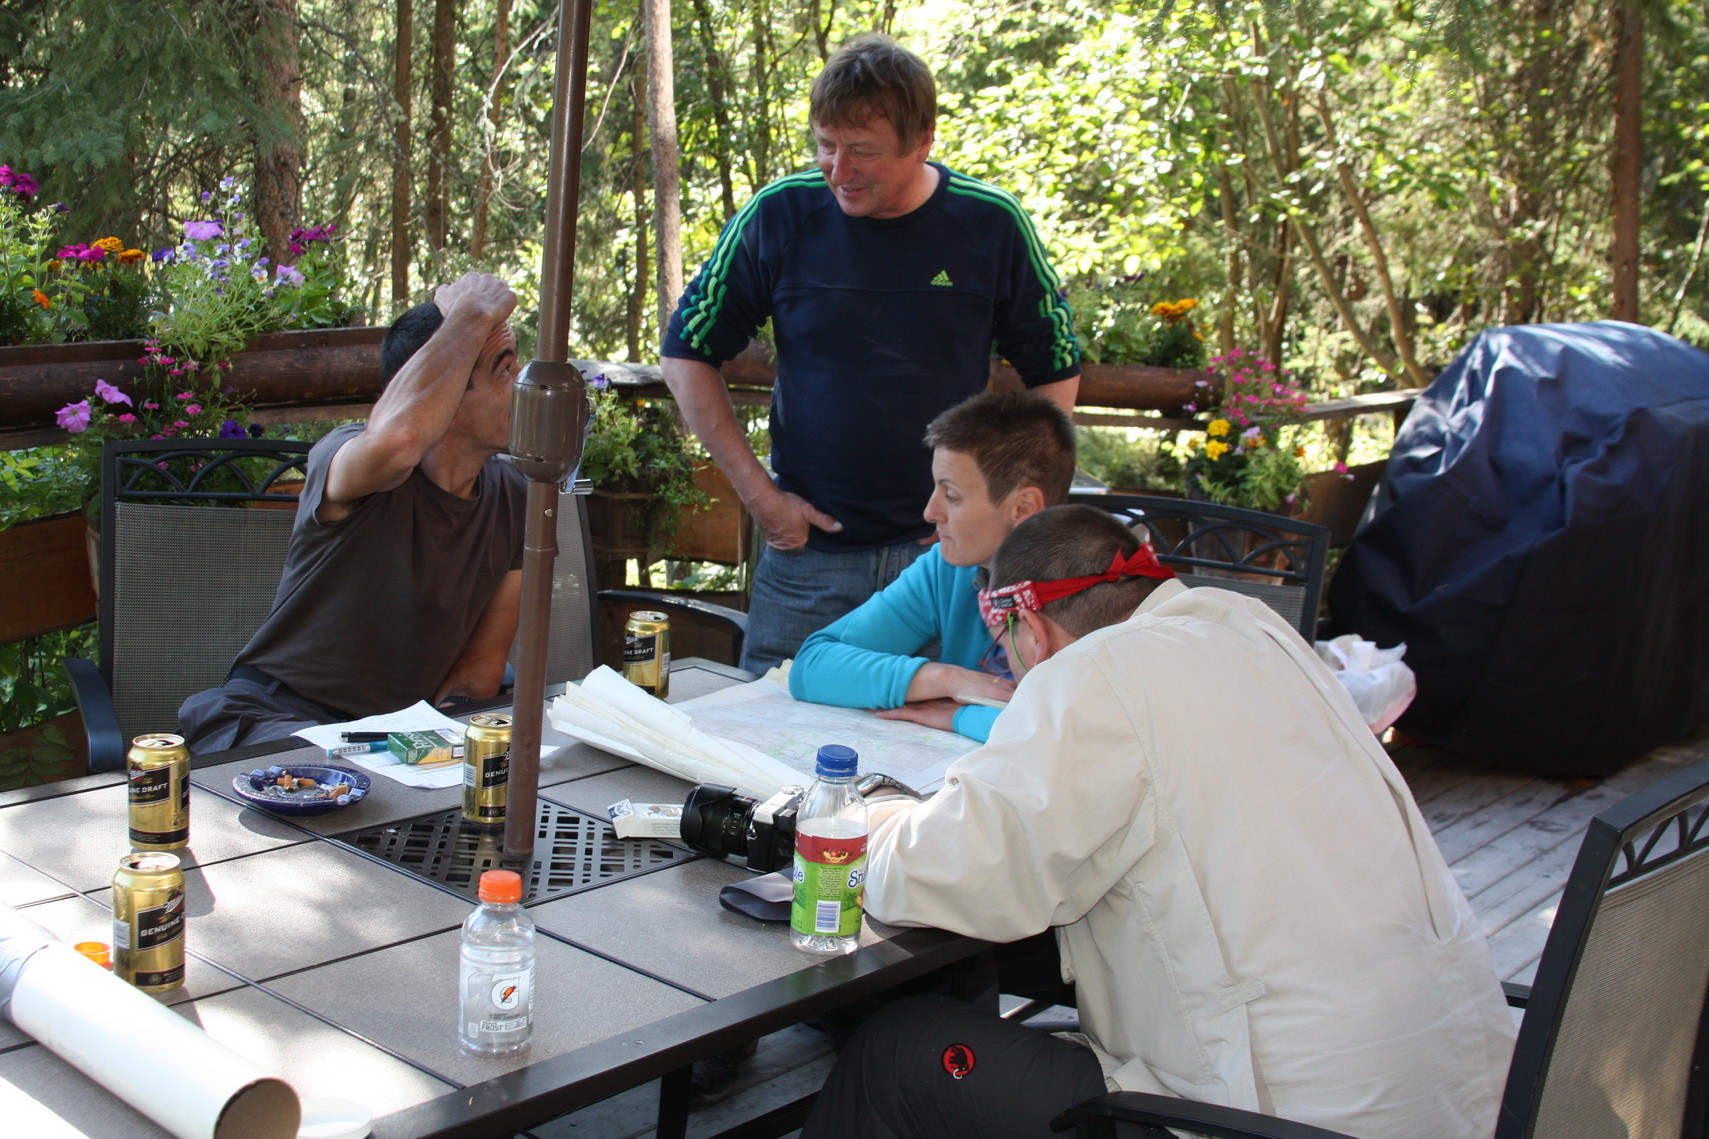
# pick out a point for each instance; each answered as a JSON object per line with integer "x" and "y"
{"x": 715, "y": 821}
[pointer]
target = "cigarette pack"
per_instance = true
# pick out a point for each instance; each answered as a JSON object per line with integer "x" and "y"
{"x": 433, "y": 746}
{"x": 646, "y": 820}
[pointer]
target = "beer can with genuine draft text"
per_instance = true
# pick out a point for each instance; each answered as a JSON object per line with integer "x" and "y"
{"x": 157, "y": 769}
{"x": 148, "y": 921}
{"x": 647, "y": 652}
{"x": 486, "y": 769}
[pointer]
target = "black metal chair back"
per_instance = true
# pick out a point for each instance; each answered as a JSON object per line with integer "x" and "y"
{"x": 189, "y": 564}
{"x": 1613, "y": 1041}
{"x": 1279, "y": 561}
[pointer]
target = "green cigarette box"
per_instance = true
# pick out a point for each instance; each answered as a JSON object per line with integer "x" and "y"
{"x": 425, "y": 747}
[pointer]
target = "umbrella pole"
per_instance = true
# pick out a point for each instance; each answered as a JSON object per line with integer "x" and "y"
{"x": 545, "y": 397}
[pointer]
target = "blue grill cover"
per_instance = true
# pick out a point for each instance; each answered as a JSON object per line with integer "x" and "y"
{"x": 1541, "y": 543}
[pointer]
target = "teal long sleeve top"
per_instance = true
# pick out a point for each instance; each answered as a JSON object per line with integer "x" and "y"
{"x": 867, "y": 658}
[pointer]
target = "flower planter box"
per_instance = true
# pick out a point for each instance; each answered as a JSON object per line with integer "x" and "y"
{"x": 314, "y": 366}
{"x": 44, "y": 577}
{"x": 718, "y": 533}
{"x": 44, "y": 753}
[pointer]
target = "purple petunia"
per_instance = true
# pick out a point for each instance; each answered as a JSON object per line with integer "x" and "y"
{"x": 110, "y": 393}
{"x": 256, "y": 431}
{"x": 287, "y": 275}
{"x": 600, "y": 381}
{"x": 74, "y": 417}
{"x": 230, "y": 430}
{"x": 203, "y": 230}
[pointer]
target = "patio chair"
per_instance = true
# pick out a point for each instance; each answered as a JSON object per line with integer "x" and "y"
{"x": 1277, "y": 560}
{"x": 188, "y": 569}
{"x": 1615, "y": 1039}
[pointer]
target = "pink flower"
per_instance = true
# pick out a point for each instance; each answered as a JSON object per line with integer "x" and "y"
{"x": 74, "y": 417}
{"x": 110, "y": 393}
{"x": 1340, "y": 468}
{"x": 150, "y": 405}
{"x": 185, "y": 395}
{"x": 179, "y": 423}
{"x": 192, "y": 409}
{"x": 127, "y": 417}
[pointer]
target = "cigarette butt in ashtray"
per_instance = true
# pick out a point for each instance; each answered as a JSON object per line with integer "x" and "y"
{"x": 100, "y": 1025}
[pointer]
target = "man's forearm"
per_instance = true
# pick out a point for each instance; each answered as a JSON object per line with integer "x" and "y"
{"x": 418, "y": 405}
{"x": 704, "y": 400}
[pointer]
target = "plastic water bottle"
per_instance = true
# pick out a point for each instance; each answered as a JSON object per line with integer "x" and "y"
{"x": 830, "y": 857}
{"x": 495, "y": 993}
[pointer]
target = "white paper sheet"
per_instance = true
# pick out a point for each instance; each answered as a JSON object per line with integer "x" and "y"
{"x": 418, "y": 717}
{"x": 770, "y": 720}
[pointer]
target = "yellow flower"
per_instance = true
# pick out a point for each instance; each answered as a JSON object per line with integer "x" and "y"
{"x": 1217, "y": 427}
{"x": 1186, "y": 305}
{"x": 110, "y": 244}
{"x": 127, "y": 256}
{"x": 1215, "y": 449}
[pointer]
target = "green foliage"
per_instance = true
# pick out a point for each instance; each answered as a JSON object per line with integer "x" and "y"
{"x": 1249, "y": 454}
{"x": 39, "y": 483}
{"x": 635, "y": 445}
{"x": 1118, "y": 324}
{"x": 1128, "y": 458}
{"x": 34, "y": 688}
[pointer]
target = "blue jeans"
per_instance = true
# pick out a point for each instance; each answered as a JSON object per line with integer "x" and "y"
{"x": 798, "y": 592}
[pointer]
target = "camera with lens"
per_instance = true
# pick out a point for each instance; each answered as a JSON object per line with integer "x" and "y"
{"x": 758, "y": 834}
{"x": 724, "y": 823}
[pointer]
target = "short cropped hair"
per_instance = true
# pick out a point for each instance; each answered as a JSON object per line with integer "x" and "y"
{"x": 1073, "y": 541}
{"x": 1015, "y": 438}
{"x": 406, "y": 336}
{"x": 873, "y": 76}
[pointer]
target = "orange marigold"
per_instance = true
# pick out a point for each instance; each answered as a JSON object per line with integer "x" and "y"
{"x": 128, "y": 256}
{"x": 41, "y": 298}
{"x": 110, "y": 244}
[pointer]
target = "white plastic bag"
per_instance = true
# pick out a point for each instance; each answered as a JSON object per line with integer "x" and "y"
{"x": 1379, "y": 681}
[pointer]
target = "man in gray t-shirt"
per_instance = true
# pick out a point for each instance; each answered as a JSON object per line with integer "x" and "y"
{"x": 403, "y": 581}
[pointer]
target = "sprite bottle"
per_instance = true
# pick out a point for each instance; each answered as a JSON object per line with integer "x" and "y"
{"x": 830, "y": 857}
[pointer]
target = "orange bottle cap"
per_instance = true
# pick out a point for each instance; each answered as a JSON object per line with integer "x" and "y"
{"x": 501, "y": 886}
{"x": 97, "y": 951}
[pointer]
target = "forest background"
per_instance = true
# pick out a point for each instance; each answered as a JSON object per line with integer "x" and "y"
{"x": 1350, "y": 188}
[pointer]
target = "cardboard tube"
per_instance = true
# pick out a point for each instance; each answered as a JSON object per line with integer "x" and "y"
{"x": 112, "y": 1033}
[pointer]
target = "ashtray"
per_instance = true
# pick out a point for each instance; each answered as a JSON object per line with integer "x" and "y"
{"x": 314, "y": 788}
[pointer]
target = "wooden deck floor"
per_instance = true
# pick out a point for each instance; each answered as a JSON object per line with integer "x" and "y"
{"x": 1509, "y": 835}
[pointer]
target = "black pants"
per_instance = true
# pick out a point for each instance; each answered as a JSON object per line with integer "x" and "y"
{"x": 936, "y": 1068}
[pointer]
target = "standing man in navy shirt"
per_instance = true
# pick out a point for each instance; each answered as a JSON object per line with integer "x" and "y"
{"x": 887, "y": 279}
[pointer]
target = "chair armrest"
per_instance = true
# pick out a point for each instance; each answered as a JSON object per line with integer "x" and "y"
{"x": 1167, "y": 1111}
{"x": 734, "y": 621}
{"x": 100, "y": 719}
{"x": 1518, "y": 996}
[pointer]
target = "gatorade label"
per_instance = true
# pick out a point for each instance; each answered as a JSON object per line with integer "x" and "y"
{"x": 830, "y": 874}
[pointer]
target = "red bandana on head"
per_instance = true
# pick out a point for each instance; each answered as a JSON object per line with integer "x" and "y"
{"x": 1035, "y": 595}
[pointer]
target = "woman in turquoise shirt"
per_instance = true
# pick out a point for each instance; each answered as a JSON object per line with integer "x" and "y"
{"x": 997, "y": 458}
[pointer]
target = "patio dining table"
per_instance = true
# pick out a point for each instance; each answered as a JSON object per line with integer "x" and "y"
{"x": 326, "y": 948}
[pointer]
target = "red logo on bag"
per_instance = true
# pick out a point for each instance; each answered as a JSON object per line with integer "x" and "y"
{"x": 958, "y": 1060}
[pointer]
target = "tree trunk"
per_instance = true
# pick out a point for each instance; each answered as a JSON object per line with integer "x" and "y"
{"x": 1628, "y": 156}
{"x": 278, "y": 144}
{"x": 401, "y": 84}
{"x": 638, "y": 188}
{"x": 661, "y": 129}
{"x": 440, "y": 81}
{"x": 715, "y": 88}
{"x": 495, "y": 96}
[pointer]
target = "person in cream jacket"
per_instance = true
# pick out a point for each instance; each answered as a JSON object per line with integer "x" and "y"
{"x": 1242, "y": 889}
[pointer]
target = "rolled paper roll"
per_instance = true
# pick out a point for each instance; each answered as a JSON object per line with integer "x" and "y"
{"x": 100, "y": 1025}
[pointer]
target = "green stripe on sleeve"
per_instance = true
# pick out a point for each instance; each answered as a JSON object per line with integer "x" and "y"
{"x": 1052, "y": 308}
{"x": 701, "y": 312}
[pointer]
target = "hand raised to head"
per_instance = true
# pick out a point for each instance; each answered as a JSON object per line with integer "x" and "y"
{"x": 478, "y": 294}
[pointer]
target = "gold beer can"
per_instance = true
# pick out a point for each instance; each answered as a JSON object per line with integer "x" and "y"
{"x": 157, "y": 770}
{"x": 486, "y": 770}
{"x": 647, "y": 652}
{"x": 148, "y": 921}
